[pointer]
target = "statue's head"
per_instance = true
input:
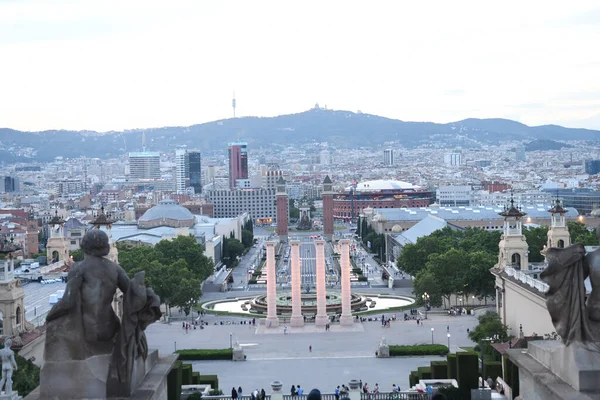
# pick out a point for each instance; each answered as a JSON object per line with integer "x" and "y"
{"x": 95, "y": 243}
{"x": 8, "y": 343}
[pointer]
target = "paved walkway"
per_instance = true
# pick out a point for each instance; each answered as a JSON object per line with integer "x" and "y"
{"x": 337, "y": 356}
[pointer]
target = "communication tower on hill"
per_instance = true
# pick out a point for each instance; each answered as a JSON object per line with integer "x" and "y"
{"x": 233, "y": 104}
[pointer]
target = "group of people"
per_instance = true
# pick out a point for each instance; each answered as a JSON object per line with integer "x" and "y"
{"x": 296, "y": 391}
{"x": 188, "y": 327}
{"x": 254, "y": 395}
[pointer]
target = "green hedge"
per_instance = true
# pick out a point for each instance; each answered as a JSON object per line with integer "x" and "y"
{"x": 492, "y": 369}
{"x": 186, "y": 374}
{"x": 439, "y": 370}
{"x": 418, "y": 350}
{"x": 174, "y": 382}
{"x": 451, "y": 359}
{"x": 424, "y": 372}
{"x": 467, "y": 368}
{"x": 205, "y": 354}
{"x": 195, "y": 378}
{"x": 212, "y": 380}
{"x": 413, "y": 378}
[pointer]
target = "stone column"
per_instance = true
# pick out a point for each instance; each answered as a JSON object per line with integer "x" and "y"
{"x": 321, "y": 318}
{"x": 346, "y": 317}
{"x": 297, "y": 319}
{"x": 272, "y": 320}
{"x": 276, "y": 393}
{"x": 355, "y": 390}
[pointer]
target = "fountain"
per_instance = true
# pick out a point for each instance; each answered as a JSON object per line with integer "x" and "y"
{"x": 304, "y": 222}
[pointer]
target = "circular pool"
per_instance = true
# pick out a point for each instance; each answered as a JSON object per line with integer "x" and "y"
{"x": 257, "y": 305}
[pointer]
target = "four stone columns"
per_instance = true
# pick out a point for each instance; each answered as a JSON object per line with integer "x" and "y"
{"x": 272, "y": 320}
{"x": 297, "y": 319}
{"x": 321, "y": 319}
{"x": 346, "y": 317}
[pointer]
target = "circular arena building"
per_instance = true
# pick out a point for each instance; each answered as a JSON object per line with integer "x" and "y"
{"x": 379, "y": 193}
{"x": 167, "y": 213}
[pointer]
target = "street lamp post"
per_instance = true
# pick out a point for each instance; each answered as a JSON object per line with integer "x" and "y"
{"x": 432, "y": 329}
{"x": 448, "y": 342}
{"x": 425, "y": 302}
{"x": 482, "y": 362}
{"x": 230, "y": 340}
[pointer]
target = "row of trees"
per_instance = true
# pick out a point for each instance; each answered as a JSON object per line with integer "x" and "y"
{"x": 174, "y": 268}
{"x": 372, "y": 238}
{"x": 233, "y": 248}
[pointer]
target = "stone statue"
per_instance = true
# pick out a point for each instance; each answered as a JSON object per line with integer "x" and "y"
{"x": 8, "y": 366}
{"x": 383, "y": 341}
{"x": 575, "y": 319}
{"x": 83, "y": 327}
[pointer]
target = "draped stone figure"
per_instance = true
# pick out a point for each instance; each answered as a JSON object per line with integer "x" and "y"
{"x": 575, "y": 319}
{"x": 85, "y": 341}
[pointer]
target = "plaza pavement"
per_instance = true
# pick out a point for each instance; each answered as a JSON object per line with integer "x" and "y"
{"x": 337, "y": 356}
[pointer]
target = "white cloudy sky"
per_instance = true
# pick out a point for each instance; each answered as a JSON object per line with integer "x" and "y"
{"x": 110, "y": 65}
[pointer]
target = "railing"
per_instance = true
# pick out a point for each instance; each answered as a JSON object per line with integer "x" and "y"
{"x": 531, "y": 281}
{"x": 331, "y": 396}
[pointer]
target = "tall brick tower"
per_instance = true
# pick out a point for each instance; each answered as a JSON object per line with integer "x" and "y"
{"x": 282, "y": 210}
{"x": 328, "y": 208}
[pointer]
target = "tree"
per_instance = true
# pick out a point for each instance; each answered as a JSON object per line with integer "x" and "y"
{"x": 425, "y": 282}
{"x": 536, "y": 237}
{"x": 247, "y": 238}
{"x": 185, "y": 247}
{"x": 477, "y": 277}
{"x": 581, "y": 234}
{"x": 446, "y": 268}
{"x": 489, "y": 326}
{"x": 232, "y": 249}
{"x": 77, "y": 255}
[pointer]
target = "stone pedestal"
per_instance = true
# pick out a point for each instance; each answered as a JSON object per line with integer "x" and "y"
{"x": 272, "y": 320}
{"x": 346, "y": 317}
{"x": 297, "y": 320}
{"x": 383, "y": 350}
{"x": 549, "y": 370}
{"x": 238, "y": 354}
{"x": 276, "y": 393}
{"x": 153, "y": 386}
{"x": 355, "y": 389}
{"x": 321, "y": 317}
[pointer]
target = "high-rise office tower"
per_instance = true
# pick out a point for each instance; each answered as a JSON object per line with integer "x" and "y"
{"x": 9, "y": 184}
{"x": 188, "y": 171}
{"x": 325, "y": 157}
{"x": 388, "y": 157}
{"x": 520, "y": 154}
{"x": 592, "y": 167}
{"x": 195, "y": 160}
{"x": 454, "y": 159}
{"x": 238, "y": 163}
{"x": 144, "y": 165}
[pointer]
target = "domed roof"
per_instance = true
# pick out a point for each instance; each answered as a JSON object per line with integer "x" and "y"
{"x": 167, "y": 209}
{"x": 396, "y": 229}
{"x": 382, "y": 184}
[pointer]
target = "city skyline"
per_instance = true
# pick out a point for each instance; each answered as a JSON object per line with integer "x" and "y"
{"x": 144, "y": 65}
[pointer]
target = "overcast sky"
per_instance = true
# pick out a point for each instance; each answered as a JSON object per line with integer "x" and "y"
{"x": 112, "y": 65}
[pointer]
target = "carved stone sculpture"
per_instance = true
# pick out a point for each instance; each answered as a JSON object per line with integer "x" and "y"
{"x": 575, "y": 319}
{"x": 85, "y": 336}
{"x": 8, "y": 366}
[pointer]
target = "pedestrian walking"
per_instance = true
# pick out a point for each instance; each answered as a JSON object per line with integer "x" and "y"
{"x": 234, "y": 394}
{"x": 310, "y": 348}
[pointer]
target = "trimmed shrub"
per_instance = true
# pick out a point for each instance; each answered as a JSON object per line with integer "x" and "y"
{"x": 251, "y": 281}
{"x": 212, "y": 380}
{"x": 362, "y": 278}
{"x": 451, "y": 359}
{"x": 186, "y": 374}
{"x": 413, "y": 379}
{"x": 195, "y": 378}
{"x": 205, "y": 354}
{"x": 492, "y": 369}
{"x": 449, "y": 393}
{"x": 439, "y": 370}
{"x": 418, "y": 350}
{"x": 174, "y": 382}
{"x": 467, "y": 368}
{"x": 424, "y": 372}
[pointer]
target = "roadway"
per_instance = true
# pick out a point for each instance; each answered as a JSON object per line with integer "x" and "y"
{"x": 37, "y": 300}
{"x": 308, "y": 264}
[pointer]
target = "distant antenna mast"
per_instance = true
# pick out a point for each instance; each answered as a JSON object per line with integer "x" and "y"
{"x": 233, "y": 104}
{"x": 143, "y": 141}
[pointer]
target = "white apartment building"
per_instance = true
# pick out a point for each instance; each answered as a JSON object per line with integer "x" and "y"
{"x": 258, "y": 203}
{"x": 483, "y": 198}
{"x": 66, "y": 187}
{"x": 454, "y": 195}
{"x": 388, "y": 157}
{"x": 453, "y": 159}
{"x": 144, "y": 165}
{"x": 325, "y": 157}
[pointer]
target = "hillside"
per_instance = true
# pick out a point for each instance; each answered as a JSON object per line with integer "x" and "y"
{"x": 342, "y": 129}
